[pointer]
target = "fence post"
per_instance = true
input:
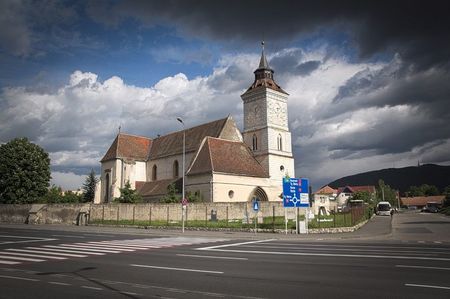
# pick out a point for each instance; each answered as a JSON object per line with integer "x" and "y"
{"x": 227, "y": 216}
{"x": 134, "y": 212}
{"x": 167, "y": 215}
{"x": 149, "y": 215}
{"x": 273, "y": 218}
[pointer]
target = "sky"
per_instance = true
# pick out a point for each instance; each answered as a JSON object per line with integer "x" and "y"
{"x": 368, "y": 82}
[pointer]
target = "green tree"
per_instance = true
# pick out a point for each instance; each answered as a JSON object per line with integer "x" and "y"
{"x": 362, "y": 195}
{"x": 53, "y": 195}
{"x": 386, "y": 193}
{"x": 447, "y": 197}
{"x": 24, "y": 172}
{"x": 89, "y": 187}
{"x": 422, "y": 190}
{"x": 172, "y": 195}
{"x": 128, "y": 195}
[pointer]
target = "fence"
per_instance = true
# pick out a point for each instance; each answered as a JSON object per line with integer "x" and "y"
{"x": 342, "y": 219}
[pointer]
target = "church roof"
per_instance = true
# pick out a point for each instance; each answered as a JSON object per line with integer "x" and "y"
{"x": 225, "y": 156}
{"x": 326, "y": 190}
{"x": 172, "y": 144}
{"x": 157, "y": 188}
{"x": 128, "y": 147}
{"x": 264, "y": 76}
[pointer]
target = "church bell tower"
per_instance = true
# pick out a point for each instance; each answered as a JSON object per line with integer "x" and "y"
{"x": 266, "y": 129}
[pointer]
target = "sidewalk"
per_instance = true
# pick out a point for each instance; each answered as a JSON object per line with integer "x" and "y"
{"x": 378, "y": 227}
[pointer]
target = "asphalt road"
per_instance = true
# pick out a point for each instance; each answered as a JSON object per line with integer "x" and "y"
{"x": 376, "y": 262}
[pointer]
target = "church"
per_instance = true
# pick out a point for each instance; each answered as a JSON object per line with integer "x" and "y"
{"x": 222, "y": 164}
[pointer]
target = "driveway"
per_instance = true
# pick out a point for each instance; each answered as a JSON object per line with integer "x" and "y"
{"x": 421, "y": 227}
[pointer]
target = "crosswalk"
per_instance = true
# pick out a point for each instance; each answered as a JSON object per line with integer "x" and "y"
{"x": 64, "y": 251}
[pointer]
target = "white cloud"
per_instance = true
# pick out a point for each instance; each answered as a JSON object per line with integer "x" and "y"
{"x": 67, "y": 180}
{"x": 78, "y": 122}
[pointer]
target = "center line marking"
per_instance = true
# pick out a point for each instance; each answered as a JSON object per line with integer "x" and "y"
{"x": 92, "y": 288}
{"x": 176, "y": 269}
{"x": 214, "y": 257}
{"x": 19, "y": 278}
{"x": 426, "y": 286}
{"x": 421, "y": 267}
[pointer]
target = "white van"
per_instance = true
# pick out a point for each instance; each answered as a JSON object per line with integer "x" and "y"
{"x": 384, "y": 208}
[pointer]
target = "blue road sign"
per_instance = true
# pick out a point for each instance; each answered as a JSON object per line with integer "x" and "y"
{"x": 255, "y": 205}
{"x": 295, "y": 193}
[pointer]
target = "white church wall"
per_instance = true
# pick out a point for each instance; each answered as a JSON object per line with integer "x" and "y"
{"x": 165, "y": 166}
{"x": 233, "y": 188}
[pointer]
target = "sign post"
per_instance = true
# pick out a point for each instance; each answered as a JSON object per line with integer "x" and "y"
{"x": 255, "y": 204}
{"x": 295, "y": 195}
{"x": 184, "y": 203}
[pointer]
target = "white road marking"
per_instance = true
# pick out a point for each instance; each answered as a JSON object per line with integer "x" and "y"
{"x": 359, "y": 246}
{"x": 176, "y": 269}
{"x": 421, "y": 267}
{"x": 106, "y": 245}
{"x": 92, "y": 288}
{"x": 30, "y": 239}
{"x": 59, "y": 283}
{"x": 19, "y": 278}
{"x": 94, "y": 246}
{"x": 9, "y": 262}
{"x": 215, "y": 257}
{"x": 215, "y": 248}
{"x": 87, "y": 248}
{"x": 46, "y": 251}
{"x": 234, "y": 244}
{"x": 33, "y": 255}
{"x": 65, "y": 249}
{"x": 426, "y": 286}
{"x": 69, "y": 236}
{"x": 17, "y": 258}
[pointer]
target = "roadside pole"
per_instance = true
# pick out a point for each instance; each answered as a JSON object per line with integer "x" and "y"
{"x": 285, "y": 220}
{"x": 296, "y": 221}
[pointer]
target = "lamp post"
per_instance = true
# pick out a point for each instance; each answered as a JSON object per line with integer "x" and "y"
{"x": 184, "y": 157}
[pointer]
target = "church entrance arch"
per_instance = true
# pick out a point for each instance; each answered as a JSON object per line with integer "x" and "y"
{"x": 259, "y": 193}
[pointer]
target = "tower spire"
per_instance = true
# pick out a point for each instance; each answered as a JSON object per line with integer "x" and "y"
{"x": 263, "y": 61}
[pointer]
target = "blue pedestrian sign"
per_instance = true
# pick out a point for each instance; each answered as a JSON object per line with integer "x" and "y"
{"x": 255, "y": 205}
{"x": 295, "y": 193}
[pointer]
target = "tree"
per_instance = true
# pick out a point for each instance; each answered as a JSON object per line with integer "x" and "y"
{"x": 386, "y": 193}
{"x": 447, "y": 197}
{"x": 423, "y": 190}
{"x": 362, "y": 195}
{"x": 24, "y": 171}
{"x": 89, "y": 187}
{"x": 128, "y": 195}
{"x": 172, "y": 195}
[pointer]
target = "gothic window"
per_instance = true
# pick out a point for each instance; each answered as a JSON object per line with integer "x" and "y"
{"x": 255, "y": 143}
{"x": 154, "y": 173}
{"x": 280, "y": 142}
{"x": 175, "y": 169}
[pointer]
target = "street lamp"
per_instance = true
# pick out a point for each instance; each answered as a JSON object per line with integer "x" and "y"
{"x": 184, "y": 157}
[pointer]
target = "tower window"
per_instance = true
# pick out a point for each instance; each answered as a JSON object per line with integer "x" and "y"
{"x": 154, "y": 173}
{"x": 175, "y": 169}
{"x": 255, "y": 143}
{"x": 280, "y": 142}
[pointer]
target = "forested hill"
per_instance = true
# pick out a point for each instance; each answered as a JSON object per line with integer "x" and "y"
{"x": 400, "y": 178}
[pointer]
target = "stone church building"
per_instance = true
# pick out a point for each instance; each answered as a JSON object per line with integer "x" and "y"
{"x": 222, "y": 163}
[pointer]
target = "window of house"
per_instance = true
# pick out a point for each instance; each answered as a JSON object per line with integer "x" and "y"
{"x": 175, "y": 169}
{"x": 154, "y": 173}
{"x": 255, "y": 142}
{"x": 280, "y": 142}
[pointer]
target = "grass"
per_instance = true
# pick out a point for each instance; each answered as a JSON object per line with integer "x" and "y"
{"x": 278, "y": 222}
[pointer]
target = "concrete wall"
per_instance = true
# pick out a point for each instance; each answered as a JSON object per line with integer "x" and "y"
{"x": 70, "y": 213}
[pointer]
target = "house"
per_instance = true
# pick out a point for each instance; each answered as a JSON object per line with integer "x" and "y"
{"x": 221, "y": 164}
{"x": 324, "y": 201}
{"x": 345, "y": 193}
{"x": 421, "y": 201}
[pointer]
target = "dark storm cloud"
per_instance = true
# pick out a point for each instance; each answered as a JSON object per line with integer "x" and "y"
{"x": 419, "y": 32}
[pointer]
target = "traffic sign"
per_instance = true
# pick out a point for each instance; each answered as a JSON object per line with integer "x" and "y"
{"x": 295, "y": 192}
{"x": 255, "y": 205}
{"x": 184, "y": 202}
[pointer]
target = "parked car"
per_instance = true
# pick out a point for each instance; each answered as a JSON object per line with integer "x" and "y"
{"x": 431, "y": 207}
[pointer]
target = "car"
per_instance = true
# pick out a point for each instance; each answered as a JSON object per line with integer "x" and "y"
{"x": 384, "y": 208}
{"x": 431, "y": 207}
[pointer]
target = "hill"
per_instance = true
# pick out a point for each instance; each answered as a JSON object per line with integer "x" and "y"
{"x": 400, "y": 178}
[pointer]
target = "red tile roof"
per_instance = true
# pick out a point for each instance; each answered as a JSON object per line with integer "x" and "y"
{"x": 353, "y": 189}
{"x": 421, "y": 200}
{"x": 128, "y": 146}
{"x": 226, "y": 156}
{"x": 326, "y": 190}
{"x": 172, "y": 144}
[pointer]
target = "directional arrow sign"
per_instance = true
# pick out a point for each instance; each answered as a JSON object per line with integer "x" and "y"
{"x": 295, "y": 192}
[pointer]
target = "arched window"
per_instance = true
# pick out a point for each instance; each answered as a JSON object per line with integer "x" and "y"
{"x": 175, "y": 169}
{"x": 107, "y": 188}
{"x": 154, "y": 171}
{"x": 280, "y": 142}
{"x": 255, "y": 142}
